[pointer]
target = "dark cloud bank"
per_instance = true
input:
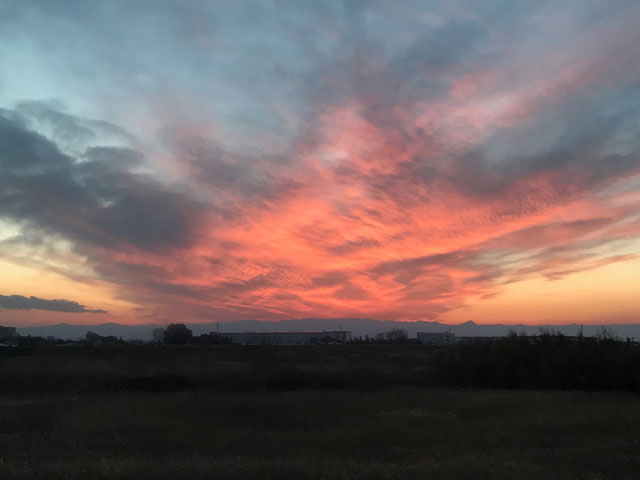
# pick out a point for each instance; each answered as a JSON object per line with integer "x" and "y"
{"x": 99, "y": 198}
{"x": 19, "y": 302}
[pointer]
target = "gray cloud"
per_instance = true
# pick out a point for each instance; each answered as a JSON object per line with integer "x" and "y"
{"x": 19, "y": 302}
{"x": 97, "y": 199}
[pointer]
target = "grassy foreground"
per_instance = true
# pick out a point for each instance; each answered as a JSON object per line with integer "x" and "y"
{"x": 405, "y": 433}
{"x": 325, "y": 412}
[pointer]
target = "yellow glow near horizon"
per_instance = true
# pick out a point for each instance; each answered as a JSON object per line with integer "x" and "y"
{"x": 30, "y": 281}
{"x": 608, "y": 294}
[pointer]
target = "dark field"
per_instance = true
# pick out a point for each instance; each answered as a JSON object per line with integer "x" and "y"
{"x": 357, "y": 411}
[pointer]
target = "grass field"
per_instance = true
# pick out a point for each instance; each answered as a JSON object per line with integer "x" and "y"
{"x": 82, "y": 413}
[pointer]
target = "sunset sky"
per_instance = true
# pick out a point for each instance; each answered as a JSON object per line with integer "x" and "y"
{"x": 203, "y": 161}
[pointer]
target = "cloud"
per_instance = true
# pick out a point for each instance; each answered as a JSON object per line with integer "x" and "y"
{"x": 99, "y": 198}
{"x": 369, "y": 158}
{"x": 19, "y": 302}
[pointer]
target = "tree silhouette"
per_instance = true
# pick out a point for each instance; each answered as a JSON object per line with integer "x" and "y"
{"x": 397, "y": 335}
{"x": 177, "y": 334}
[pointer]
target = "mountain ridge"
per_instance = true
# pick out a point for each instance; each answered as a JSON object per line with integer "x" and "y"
{"x": 358, "y": 327}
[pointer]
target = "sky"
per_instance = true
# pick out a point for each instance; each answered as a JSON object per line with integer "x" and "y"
{"x": 197, "y": 161}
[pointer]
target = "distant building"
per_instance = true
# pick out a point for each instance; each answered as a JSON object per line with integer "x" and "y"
{"x": 436, "y": 338}
{"x": 341, "y": 336}
{"x": 287, "y": 338}
{"x": 7, "y": 332}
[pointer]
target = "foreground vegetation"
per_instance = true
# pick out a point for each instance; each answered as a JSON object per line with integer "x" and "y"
{"x": 325, "y": 411}
{"x": 402, "y": 433}
{"x": 548, "y": 361}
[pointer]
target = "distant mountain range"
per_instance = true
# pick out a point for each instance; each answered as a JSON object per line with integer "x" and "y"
{"x": 358, "y": 327}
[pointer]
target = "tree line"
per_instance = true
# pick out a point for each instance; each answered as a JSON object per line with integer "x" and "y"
{"x": 180, "y": 334}
{"x": 549, "y": 361}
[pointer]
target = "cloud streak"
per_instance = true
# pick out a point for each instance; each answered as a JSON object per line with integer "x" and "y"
{"x": 19, "y": 302}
